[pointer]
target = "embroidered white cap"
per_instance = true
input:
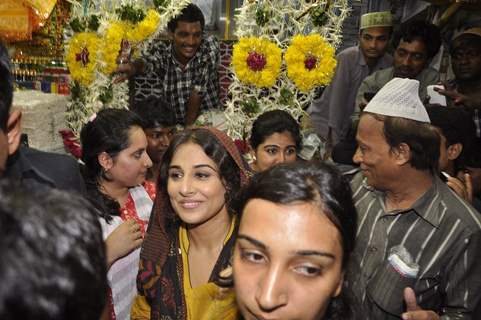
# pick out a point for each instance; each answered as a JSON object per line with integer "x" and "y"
{"x": 376, "y": 19}
{"x": 399, "y": 98}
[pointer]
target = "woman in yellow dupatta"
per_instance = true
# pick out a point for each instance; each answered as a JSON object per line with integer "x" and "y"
{"x": 190, "y": 236}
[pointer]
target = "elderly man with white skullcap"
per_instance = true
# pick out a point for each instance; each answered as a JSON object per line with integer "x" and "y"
{"x": 418, "y": 244}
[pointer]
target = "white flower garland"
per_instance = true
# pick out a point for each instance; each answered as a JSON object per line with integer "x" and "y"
{"x": 282, "y": 20}
{"x": 80, "y": 109}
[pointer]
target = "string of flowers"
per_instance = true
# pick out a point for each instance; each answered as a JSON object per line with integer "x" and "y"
{"x": 111, "y": 21}
{"x": 293, "y": 89}
{"x": 112, "y": 42}
{"x": 119, "y": 30}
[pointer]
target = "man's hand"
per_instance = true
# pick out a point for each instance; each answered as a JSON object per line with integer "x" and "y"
{"x": 462, "y": 185}
{"x": 124, "y": 71}
{"x": 413, "y": 311}
{"x": 459, "y": 98}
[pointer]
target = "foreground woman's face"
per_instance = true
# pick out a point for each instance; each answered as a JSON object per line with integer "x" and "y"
{"x": 287, "y": 261}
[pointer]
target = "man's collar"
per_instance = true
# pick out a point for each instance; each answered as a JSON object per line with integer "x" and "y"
{"x": 425, "y": 206}
{"x": 360, "y": 57}
{"x": 422, "y": 73}
{"x": 20, "y": 167}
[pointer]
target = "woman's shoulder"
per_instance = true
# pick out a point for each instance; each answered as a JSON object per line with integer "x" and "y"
{"x": 151, "y": 188}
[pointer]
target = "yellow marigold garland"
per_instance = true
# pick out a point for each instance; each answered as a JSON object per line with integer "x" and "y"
{"x": 144, "y": 28}
{"x": 310, "y": 61}
{"x": 257, "y": 61}
{"x": 112, "y": 41}
{"x": 81, "y": 57}
{"x": 119, "y": 30}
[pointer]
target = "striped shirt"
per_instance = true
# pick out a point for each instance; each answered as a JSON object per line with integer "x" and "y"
{"x": 177, "y": 83}
{"x": 433, "y": 247}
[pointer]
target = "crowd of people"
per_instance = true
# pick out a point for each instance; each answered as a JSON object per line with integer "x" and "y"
{"x": 161, "y": 221}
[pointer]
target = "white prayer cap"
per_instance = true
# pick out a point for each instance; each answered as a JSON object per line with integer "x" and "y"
{"x": 399, "y": 98}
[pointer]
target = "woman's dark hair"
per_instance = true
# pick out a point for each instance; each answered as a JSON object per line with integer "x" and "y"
{"x": 422, "y": 138}
{"x": 191, "y": 13}
{"x": 107, "y": 132}
{"x": 317, "y": 183}
{"x": 275, "y": 121}
{"x": 229, "y": 171}
{"x": 312, "y": 182}
{"x": 420, "y": 30}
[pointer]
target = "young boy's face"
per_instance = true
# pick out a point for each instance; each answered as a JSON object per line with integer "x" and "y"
{"x": 158, "y": 140}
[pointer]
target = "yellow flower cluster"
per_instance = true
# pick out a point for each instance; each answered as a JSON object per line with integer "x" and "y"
{"x": 81, "y": 57}
{"x": 144, "y": 28}
{"x": 113, "y": 39}
{"x": 310, "y": 61}
{"x": 111, "y": 42}
{"x": 257, "y": 61}
{"x": 119, "y": 30}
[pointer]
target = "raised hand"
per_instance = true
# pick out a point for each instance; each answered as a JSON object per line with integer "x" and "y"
{"x": 459, "y": 98}
{"x": 462, "y": 185}
{"x": 123, "y": 240}
{"x": 124, "y": 71}
{"x": 413, "y": 310}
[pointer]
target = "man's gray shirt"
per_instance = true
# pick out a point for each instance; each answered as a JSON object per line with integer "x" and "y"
{"x": 336, "y": 104}
{"x": 433, "y": 247}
